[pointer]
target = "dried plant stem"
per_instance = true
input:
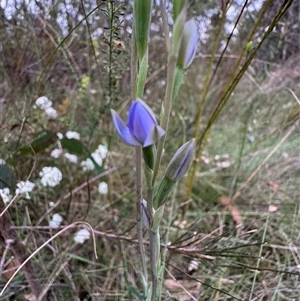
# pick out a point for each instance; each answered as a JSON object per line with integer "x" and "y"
{"x": 18, "y": 248}
{"x": 255, "y": 172}
{"x": 27, "y": 260}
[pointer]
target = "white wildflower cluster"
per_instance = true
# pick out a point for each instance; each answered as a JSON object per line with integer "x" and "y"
{"x": 50, "y": 176}
{"x": 98, "y": 155}
{"x": 25, "y": 188}
{"x": 46, "y": 105}
{"x": 72, "y": 158}
{"x": 57, "y": 152}
{"x": 103, "y": 188}
{"x": 5, "y": 194}
{"x": 56, "y": 220}
{"x": 72, "y": 135}
{"x": 81, "y": 236}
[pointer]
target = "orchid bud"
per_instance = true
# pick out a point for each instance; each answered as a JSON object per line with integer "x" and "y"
{"x": 142, "y": 126}
{"x": 176, "y": 169}
{"x": 188, "y": 44}
{"x": 142, "y": 16}
{"x": 181, "y": 161}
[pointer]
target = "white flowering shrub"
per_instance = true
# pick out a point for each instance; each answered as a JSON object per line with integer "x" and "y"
{"x": 56, "y": 220}
{"x": 24, "y": 187}
{"x": 50, "y": 176}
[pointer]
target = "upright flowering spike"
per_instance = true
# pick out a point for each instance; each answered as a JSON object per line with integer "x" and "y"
{"x": 181, "y": 161}
{"x": 188, "y": 44}
{"x": 142, "y": 126}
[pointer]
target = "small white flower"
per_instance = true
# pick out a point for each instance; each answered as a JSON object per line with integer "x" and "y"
{"x": 55, "y": 221}
{"x": 87, "y": 164}
{"x": 98, "y": 155}
{"x": 81, "y": 236}
{"x": 103, "y": 188}
{"x": 56, "y": 153}
{"x": 72, "y": 158}
{"x": 60, "y": 136}
{"x": 2, "y": 162}
{"x": 25, "y": 187}
{"x": 51, "y": 112}
{"x": 98, "y": 158}
{"x": 51, "y": 176}
{"x": 51, "y": 204}
{"x": 43, "y": 103}
{"x": 5, "y": 194}
{"x": 73, "y": 135}
{"x": 102, "y": 150}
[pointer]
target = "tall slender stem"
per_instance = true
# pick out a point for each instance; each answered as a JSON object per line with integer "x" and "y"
{"x": 167, "y": 110}
{"x": 138, "y": 165}
{"x": 153, "y": 245}
{"x": 139, "y": 198}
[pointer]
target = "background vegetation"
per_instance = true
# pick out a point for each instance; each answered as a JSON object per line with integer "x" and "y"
{"x": 236, "y": 235}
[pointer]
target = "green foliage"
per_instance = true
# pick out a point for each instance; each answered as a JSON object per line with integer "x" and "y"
{"x": 39, "y": 143}
{"x": 7, "y": 177}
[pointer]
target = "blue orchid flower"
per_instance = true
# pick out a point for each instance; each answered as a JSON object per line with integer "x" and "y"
{"x": 142, "y": 126}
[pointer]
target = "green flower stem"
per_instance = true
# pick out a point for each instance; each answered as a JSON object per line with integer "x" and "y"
{"x": 164, "y": 253}
{"x": 138, "y": 179}
{"x": 165, "y": 25}
{"x": 153, "y": 246}
{"x": 171, "y": 76}
{"x": 166, "y": 111}
{"x": 142, "y": 76}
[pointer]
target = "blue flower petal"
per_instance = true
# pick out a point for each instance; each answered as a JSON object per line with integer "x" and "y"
{"x": 190, "y": 29}
{"x": 123, "y": 130}
{"x": 141, "y": 121}
{"x": 156, "y": 133}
